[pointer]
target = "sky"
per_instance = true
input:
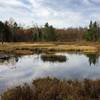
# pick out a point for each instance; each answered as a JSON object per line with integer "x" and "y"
{"x": 59, "y": 13}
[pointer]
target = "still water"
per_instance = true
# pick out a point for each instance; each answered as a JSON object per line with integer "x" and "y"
{"x": 18, "y": 70}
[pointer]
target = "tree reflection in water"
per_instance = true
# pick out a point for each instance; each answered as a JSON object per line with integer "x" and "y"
{"x": 93, "y": 58}
{"x": 8, "y": 60}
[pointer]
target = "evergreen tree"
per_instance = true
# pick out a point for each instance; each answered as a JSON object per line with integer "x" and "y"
{"x": 2, "y": 31}
{"x": 93, "y": 33}
{"x": 49, "y": 32}
{"x": 8, "y": 35}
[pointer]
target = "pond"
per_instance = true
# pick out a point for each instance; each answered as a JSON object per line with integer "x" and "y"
{"x": 18, "y": 70}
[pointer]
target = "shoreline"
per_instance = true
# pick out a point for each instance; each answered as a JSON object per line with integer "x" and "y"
{"x": 24, "y": 48}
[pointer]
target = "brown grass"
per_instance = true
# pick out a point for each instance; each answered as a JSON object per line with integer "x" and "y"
{"x": 29, "y": 48}
{"x": 53, "y": 58}
{"x": 54, "y": 89}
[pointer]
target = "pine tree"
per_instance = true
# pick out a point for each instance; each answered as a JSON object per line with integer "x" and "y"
{"x": 49, "y": 32}
{"x": 93, "y": 33}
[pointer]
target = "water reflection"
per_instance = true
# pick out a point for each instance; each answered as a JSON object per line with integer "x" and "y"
{"x": 16, "y": 70}
{"x": 16, "y": 59}
{"x": 8, "y": 60}
{"x": 93, "y": 58}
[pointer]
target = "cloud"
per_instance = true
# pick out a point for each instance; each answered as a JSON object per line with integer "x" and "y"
{"x": 66, "y": 13}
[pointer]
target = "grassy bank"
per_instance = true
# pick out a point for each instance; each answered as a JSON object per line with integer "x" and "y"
{"x": 54, "y": 89}
{"x": 30, "y": 48}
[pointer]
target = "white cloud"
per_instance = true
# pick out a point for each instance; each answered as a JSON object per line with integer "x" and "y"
{"x": 11, "y": 3}
{"x": 41, "y": 11}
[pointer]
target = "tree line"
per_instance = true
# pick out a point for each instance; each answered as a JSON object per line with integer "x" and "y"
{"x": 93, "y": 32}
{"x": 10, "y": 31}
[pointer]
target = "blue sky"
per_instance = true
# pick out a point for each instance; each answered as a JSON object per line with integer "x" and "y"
{"x": 60, "y": 13}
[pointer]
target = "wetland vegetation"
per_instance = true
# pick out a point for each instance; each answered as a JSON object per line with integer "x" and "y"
{"x": 53, "y": 58}
{"x": 55, "y": 89}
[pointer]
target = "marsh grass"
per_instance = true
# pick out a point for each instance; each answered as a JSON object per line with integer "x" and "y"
{"x": 53, "y": 58}
{"x": 54, "y": 89}
{"x": 29, "y": 48}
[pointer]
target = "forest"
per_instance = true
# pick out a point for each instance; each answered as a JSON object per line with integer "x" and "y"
{"x": 10, "y": 31}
